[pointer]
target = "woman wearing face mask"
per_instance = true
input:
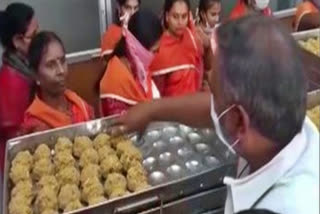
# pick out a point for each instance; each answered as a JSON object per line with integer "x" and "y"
{"x": 307, "y": 15}
{"x": 246, "y": 7}
{"x": 126, "y": 8}
{"x": 127, "y": 80}
{"x": 17, "y": 27}
{"x": 54, "y": 105}
{"x": 209, "y": 12}
{"x": 177, "y": 67}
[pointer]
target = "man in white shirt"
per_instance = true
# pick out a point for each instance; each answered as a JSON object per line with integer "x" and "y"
{"x": 257, "y": 105}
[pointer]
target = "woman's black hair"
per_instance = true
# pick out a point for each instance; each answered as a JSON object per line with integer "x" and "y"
{"x": 39, "y": 47}
{"x": 147, "y": 29}
{"x": 205, "y": 5}
{"x": 122, "y": 2}
{"x": 168, "y": 4}
{"x": 14, "y": 20}
{"x": 120, "y": 49}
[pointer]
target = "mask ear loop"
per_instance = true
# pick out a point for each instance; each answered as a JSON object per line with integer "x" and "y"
{"x": 226, "y": 111}
{"x": 235, "y": 143}
{"x": 231, "y": 147}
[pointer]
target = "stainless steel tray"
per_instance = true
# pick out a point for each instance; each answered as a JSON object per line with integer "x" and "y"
{"x": 303, "y": 35}
{"x": 313, "y": 99}
{"x": 207, "y": 202}
{"x": 181, "y": 161}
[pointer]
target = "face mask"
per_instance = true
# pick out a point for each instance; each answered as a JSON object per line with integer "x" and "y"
{"x": 216, "y": 19}
{"x": 209, "y": 29}
{"x": 215, "y": 119}
{"x": 262, "y": 4}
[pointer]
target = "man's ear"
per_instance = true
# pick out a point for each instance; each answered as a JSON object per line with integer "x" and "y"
{"x": 243, "y": 122}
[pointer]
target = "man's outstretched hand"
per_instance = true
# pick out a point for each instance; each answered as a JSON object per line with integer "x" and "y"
{"x": 136, "y": 119}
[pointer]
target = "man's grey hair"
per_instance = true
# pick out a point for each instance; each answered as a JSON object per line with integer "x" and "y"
{"x": 261, "y": 69}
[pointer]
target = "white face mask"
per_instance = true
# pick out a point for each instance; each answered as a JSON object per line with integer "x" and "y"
{"x": 262, "y": 4}
{"x": 216, "y": 19}
{"x": 209, "y": 29}
{"x": 215, "y": 119}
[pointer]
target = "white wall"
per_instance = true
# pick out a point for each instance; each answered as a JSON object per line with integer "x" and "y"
{"x": 75, "y": 21}
{"x": 227, "y": 5}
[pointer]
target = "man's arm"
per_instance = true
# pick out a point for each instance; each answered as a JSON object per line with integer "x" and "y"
{"x": 192, "y": 110}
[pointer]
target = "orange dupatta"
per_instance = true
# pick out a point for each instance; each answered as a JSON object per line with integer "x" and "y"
{"x": 302, "y": 10}
{"x": 55, "y": 118}
{"x": 110, "y": 39}
{"x": 118, "y": 83}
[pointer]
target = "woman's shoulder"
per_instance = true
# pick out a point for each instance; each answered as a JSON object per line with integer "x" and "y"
{"x": 8, "y": 72}
{"x": 12, "y": 81}
{"x": 116, "y": 65}
{"x": 72, "y": 94}
{"x": 32, "y": 124}
{"x": 79, "y": 103}
{"x": 110, "y": 39}
{"x": 114, "y": 27}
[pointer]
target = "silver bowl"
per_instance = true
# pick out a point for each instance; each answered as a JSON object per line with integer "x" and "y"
{"x": 194, "y": 138}
{"x": 203, "y": 148}
{"x": 157, "y": 178}
{"x": 175, "y": 171}
{"x": 150, "y": 163}
{"x": 165, "y": 158}
{"x": 152, "y": 136}
{"x": 170, "y": 131}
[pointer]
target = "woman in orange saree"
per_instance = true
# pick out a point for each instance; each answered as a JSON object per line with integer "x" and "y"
{"x": 54, "y": 105}
{"x": 126, "y": 8}
{"x": 177, "y": 66}
{"x": 127, "y": 80}
{"x": 246, "y": 7}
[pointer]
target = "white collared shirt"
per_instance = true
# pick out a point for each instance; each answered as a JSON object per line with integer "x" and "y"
{"x": 288, "y": 184}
